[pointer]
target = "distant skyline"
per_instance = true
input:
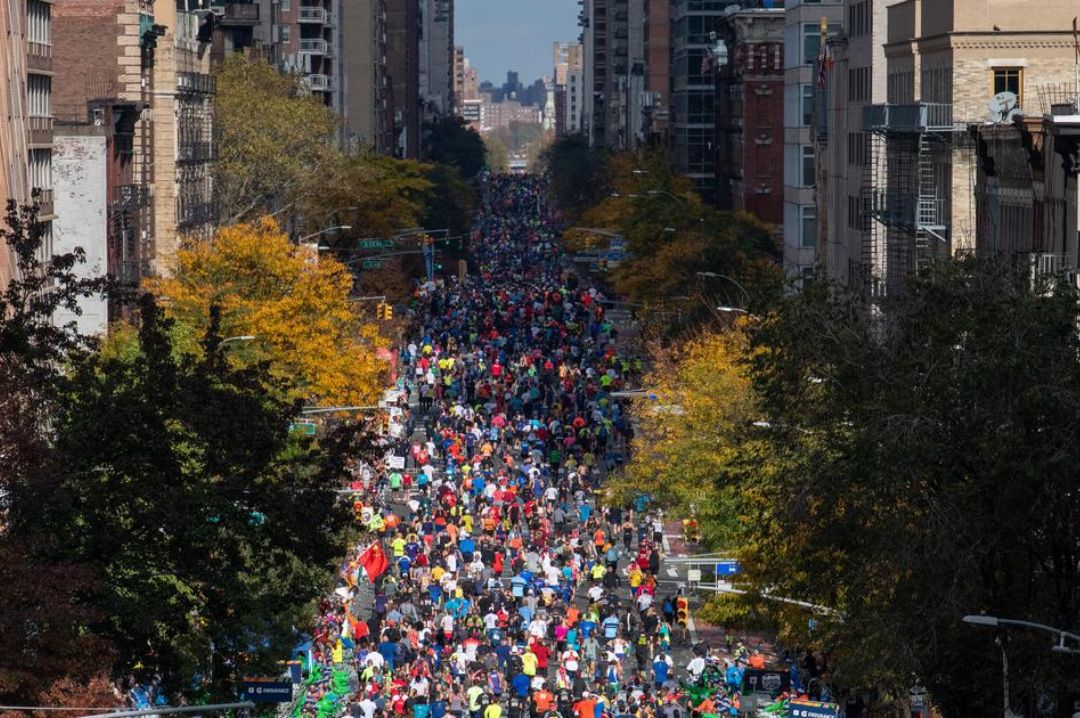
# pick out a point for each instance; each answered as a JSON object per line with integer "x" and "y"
{"x": 502, "y": 35}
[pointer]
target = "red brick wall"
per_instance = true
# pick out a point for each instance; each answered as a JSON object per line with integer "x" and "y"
{"x": 85, "y": 54}
{"x": 763, "y": 164}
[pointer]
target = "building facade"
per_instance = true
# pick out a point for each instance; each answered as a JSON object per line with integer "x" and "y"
{"x": 947, "y": 65}
{"x": 657, "y": 40}
{"x": 437, "y": 56}
{"x": 26, "y": 98}
{"x": 749, "y": 113}
{"x": 804, "y": 23}
{"x": 567, "y": 87}
{"x": 693, "y": 127}
{"x": 402, "y": 115}
{"x": 364, "y": 79}
{"x": 850, "y": 241}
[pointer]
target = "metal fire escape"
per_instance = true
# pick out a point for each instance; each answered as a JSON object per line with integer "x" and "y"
{"x": 903, "y": 191}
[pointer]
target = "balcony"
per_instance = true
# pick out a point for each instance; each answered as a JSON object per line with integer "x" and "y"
{"x": 318, "y": 83}
{"x": 313, "y": 15}
{"x": 314, "y": 46}
{"x": 195, "y": 153}
{"x": 131, "y": 196}
{"x": 240, "y": 15}
{"x": 920, "y": 117}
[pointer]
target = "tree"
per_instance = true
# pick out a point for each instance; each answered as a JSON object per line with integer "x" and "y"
{"x": 926, "y": 455}
{"x": 449, "y": 140}
{"x": 450, "y": 202}
{"x": 274, "y": 139}
{"x": 577, "y": 173}
{"x": 296, "y": 305}
{"x": 207, "y": 526}
{"x": 496, "y": 155}
{"x": 375, "y": 195}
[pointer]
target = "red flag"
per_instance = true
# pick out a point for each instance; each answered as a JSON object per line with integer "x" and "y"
{"x": 373, "y": 561}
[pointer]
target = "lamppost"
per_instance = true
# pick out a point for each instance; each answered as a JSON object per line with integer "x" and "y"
{"x": 742, "y": 289}
{"x": 323, "y": 231}
{"x": 979, "y": 619}
{"x": 241, "y": 338}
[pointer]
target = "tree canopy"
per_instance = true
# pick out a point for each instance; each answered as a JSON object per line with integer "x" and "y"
{"x": 296, "y": 305}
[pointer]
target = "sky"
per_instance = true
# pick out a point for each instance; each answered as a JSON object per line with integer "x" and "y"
{"x": 501, "y": 35}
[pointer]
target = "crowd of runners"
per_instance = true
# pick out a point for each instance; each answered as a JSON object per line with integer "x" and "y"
{"x": 502, "y": 585}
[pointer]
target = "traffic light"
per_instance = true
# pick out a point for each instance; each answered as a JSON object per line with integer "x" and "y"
{"x": 682, "y": 610}
{"x": 380, "y": 309}
{"x": 603, "y": 265}
{"x": 388, "y": 312}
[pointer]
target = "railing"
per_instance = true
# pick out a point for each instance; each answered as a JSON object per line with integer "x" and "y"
{"x": 316, "y": 15}
{"x": 196, "y": 82}
{"x": 195, "y": 152}
{"x": 1046, "y": 264}
{"x": 240, "y": 14}
{"x": 314, "y": 46}
{"x": 317, "y": 83}
{"x": 920, "y": 117}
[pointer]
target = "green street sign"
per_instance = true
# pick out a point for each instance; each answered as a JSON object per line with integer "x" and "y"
{"x": 372, "y": 263}
{"x": 376, "y": 244}
{"x": 305, "y": 427}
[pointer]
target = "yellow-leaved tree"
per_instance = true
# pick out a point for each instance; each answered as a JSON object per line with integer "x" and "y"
{"x": 295, "y": 304}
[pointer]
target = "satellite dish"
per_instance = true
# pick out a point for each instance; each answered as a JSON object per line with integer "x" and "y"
{"x": 1003, "y": 107}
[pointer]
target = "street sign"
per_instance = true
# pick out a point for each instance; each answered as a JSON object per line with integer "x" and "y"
{"x": 812, "y": 709}
{"x": 304, "y": 427}
{"x": 265, "y": 690}
{"x": 376, "y": 244}
{"x": 727, "y": 568}
{"x": 372, "y": 263}
{"x": 756, "y": 680}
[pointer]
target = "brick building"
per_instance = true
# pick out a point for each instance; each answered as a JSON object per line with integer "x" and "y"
{"x": 749, "y": 113}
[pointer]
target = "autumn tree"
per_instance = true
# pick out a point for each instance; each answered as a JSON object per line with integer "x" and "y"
{"x": 294, "y": 302}
{"x": 274, "y": 139}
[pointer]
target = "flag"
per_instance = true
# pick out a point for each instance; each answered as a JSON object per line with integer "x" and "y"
{"x": 373, "y": 561}
{"x": 825, "y": 63}
{"x": 706, "y": 62}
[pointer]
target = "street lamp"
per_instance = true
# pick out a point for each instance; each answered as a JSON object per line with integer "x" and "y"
{"x": 324, "y": 231}
{"x": 241, "y": 338}
{"x": 979, "y": 619}
{"x": 714, "y": 275}
{"x": 769, "y": 425}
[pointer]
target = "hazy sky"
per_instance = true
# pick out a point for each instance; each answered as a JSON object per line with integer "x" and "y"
{"x": 501, "y": 35}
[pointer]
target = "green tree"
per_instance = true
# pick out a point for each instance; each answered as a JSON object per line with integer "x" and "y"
{"x": 448, "y": 140}
{"x": 451, "y": 201}
{"x": 928, "y": 452}
{"x": 207, "y": 526}
{"x": 275, "y": 139}
{"x": 577, "y": 173}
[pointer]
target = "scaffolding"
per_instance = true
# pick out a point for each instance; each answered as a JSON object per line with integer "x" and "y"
{"x": 906, "y": 191}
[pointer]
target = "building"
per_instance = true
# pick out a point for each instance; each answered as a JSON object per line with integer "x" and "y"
{"x": 183, "y": 110}
{"x": 309, "y": 38}
{"x": 460, "y": 66}
{"x": 1026, "y": 191}
{"x": 364, "y": 79}
{"x": 804, "y": 21}
{"x": 947, "y": 64}
{"x": 103, "y": 59}
{"x": 749, "y": 112}
{"x": 499, "y": 115}
{"x": 567, "y": 84}
{"x": 402, "y": 115}
{"x": 657, "y": 39}
{"x": 693, "y": 127}
{"x": 436, "y": 56}
{"x": 26, "y": 98}
{"x": 242, "y": 26}
{"x": 849, "y": 241}
{"x": 613, "y": 41}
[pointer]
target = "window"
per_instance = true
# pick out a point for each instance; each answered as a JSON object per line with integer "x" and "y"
{"x": 807, "y": 103}
{"x": 808, "y": 221}
{"x": 811, "y": 42}
{"x": 39, "y": 95}
{"x": 1009, "y": 79}
{"x": 284, "y": 5}
{"x": 284, "y": 33}
{"x": 40, "y": 169}
{"x": 39, "y": 22}
{"x": 809, "y": 166}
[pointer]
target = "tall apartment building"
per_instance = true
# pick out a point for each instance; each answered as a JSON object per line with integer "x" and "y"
{"x": 593, "y": 19}
{"x": 26, "y": 138}
{"x": 242, "y": 26}
{"x": 567, "y": 87}
{"x": 459, "y": 75}
{"x": 657, "y": 38}
{"x": 693, "y": 89}
{"x": 309, "y": 37}
{"x": 749, "y": 112}
{"x": 402, "y": 115}
{"x": 436, "y": 56}
{"x": 945, "y": 61}
{"x": 849, "y": 240}
{"x": 802, "y": 48}
{"x": 365, "y": 81}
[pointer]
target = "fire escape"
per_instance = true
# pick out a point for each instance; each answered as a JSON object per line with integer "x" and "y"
{"x": 905, "y": 196}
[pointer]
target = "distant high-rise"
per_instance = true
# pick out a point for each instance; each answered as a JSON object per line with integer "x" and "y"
{"x": 567, "y": 84}
{"x": 364, "y": 78}
{"x": 403, "y": 77}
{"x": 613, "y": 40}
{"x": 436, "y": 56}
